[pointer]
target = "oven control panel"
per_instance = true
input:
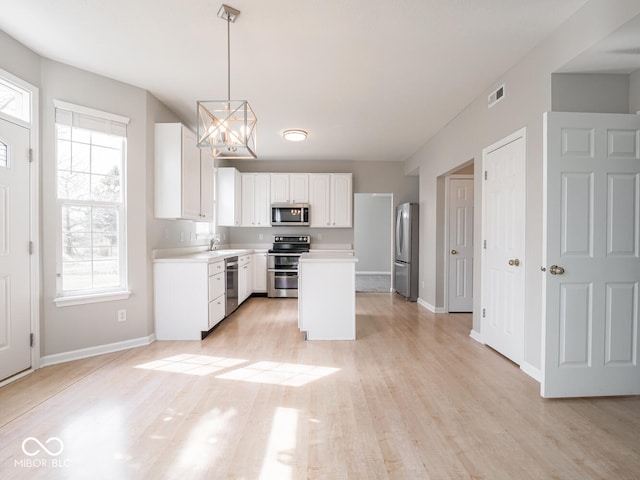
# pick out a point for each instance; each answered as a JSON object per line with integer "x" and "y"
{"x": 291, "y": 239}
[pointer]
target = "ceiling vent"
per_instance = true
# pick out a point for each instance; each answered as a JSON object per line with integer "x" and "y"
{"x": 496, "y": 95}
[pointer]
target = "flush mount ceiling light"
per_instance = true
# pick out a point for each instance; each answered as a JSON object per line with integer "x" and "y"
{"x": 227, "y": 127}
{"x": 295, "y": 135}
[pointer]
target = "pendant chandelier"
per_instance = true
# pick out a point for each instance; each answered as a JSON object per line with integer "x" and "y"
{"x": 227, "y": 127}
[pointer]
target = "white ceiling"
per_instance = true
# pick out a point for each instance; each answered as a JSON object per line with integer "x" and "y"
{"x": 369, "y": 79}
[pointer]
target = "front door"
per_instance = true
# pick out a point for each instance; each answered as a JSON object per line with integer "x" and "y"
{"x": 592, "y": 257}
{"x": 15, "y": 323}
{"x": 460, "y": 248}
{"x": 503, "y": 215}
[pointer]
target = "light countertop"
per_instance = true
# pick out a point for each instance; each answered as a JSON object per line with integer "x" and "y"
{"x": 205, "y": 256}
{"x": 328, "y": 257}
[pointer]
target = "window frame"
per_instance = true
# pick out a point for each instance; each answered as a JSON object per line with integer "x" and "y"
{"x": 83, "y": 296}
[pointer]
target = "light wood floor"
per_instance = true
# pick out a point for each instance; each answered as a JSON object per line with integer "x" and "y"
{"x": 413, "y": 398}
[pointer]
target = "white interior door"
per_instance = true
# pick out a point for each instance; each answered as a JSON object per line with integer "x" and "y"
{"x": 15, "y": 323}
{"x": 592, "y": 255}
{"x": 503, "y": 214}
{"x": 460, "y": 251}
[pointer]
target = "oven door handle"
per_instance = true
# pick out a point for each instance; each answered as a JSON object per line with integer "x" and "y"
{"x": 281, "y": 271}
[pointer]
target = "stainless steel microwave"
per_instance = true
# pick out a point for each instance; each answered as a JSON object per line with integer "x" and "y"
{"x": 287, "y": 214}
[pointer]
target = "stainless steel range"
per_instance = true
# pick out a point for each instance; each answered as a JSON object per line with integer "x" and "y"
{"x": 282, "y": 264}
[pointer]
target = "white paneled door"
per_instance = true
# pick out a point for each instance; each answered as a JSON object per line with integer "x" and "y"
{"x": 460, "y": 245}
{"x": 15, "y": 323}
{"x": 503, "y": 215}
{"x": 592, "y": 257}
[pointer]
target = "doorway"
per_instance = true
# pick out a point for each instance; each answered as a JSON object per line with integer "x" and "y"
{"x": 373, "y": 241}
{"x": 459, "y": 242}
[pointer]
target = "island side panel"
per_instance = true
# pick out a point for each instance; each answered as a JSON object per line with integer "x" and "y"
{"x": 326, "y": 299}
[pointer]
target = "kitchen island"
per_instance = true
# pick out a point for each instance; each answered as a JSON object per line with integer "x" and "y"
{"x": 326, "y": 295}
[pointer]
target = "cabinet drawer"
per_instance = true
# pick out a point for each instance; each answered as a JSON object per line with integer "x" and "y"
{"x": 216, "y": 285}
{"x": 217, "y": 267}
{"x": 216, "y": 311}
{"x": 244, "y": 259}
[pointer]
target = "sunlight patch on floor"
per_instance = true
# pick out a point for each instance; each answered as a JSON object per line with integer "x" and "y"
{"x": 192, "y": 364}
{"x": 286, "y": 374}
{"x": 280, "y": 454}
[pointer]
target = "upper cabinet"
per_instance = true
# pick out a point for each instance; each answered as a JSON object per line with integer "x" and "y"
{"x": 229, "y": 197}
{"x": 256, "y": 199}
{"x": 183, "y": 180}
{"x": 330, "y": 198}
{"x": 289, "y": 188}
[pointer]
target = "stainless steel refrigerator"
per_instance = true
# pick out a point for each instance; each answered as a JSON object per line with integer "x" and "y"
{"x": 406, "y": 250}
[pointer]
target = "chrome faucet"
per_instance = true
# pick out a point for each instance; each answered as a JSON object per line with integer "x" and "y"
{"x": 213, "y": 243}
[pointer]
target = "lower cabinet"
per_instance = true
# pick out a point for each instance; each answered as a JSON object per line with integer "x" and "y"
{"x": 245, "y": 277}
{"x": 260, "y": 272}
{"x": 189, "y": 298}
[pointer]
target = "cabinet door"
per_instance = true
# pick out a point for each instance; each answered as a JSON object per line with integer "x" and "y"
{"x": 229, "y": 200}
{"x": 190, "y": 176}
{"x": 341, "y": 200}
{"x": 206, "y": 187}
{"x": 280, "y": 188}
{"x": 260, "y": 272}
{"x": 299, "y": 186}
{"x": 262, "y": 200}
{"x": 319, "y": 199}
{"x": 248, "y": 199}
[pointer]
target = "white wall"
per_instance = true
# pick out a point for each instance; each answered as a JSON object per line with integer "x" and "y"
{"x": 527, "y": 96}
{"x": 65, "y": 329}
{"x": 590, "y": 92}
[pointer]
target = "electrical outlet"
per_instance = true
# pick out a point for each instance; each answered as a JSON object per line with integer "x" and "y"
{"x": 122, "y": 315}
{"x": 319, "y": 236}
{"x": 260, "y": 236}
{"x": 182, "y": 236}
{"x": 193, "y": 236}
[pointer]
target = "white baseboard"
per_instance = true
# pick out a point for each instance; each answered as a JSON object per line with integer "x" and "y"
{"x": 56, "y": 358}
{"x": 532, "y": 371}
{"x": 373, "y": 273}
{"x": 430, "y": 307}
{"x": 476, "y": 336}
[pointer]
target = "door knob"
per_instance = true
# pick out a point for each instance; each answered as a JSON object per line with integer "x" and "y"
{"x": 514, "y": 262}
{"x": 556, "y": 270}
{"x": 454, "y": 252}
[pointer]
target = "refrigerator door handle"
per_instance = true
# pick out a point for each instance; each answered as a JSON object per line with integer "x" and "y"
{"x": 399, "y": 238}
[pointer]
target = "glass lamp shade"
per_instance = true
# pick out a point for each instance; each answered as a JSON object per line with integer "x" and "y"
{"x": 227, "y": 128}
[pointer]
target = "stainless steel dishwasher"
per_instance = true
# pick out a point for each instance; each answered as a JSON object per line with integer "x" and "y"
{"x": 231, "y": 266}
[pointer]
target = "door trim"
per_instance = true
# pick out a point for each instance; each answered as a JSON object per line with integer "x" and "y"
{"x": 34, "y": 213}
{"x": 521, "y": 133}
{"x": 447, "y": 187}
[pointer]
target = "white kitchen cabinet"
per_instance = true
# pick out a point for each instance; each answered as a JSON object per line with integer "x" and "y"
{"x": 229, "y": 197}
{"x": 330, "y": 198}
{"x": 183, "y": 178}
{"x": 341, "y": 200}
{"x": 256, "y": 199}
{"x": 289, "y": 188}
{"x": 189, "y": 298}
{"x": 260, "y": 272}
{"x": 245, "y": 277}
{"x": 299, "y": 187}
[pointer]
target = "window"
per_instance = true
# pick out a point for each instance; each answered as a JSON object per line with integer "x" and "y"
{"x": 91, "y": 151}
{"x": 15, "y": 101}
